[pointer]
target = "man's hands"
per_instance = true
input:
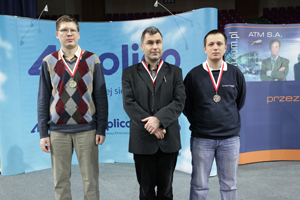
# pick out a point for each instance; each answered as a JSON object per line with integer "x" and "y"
{"x": 281, "y": 69}
{"x": 100, "y": 139}
{"x": 152, "y": 126}
{"x": 45, "y": 144}
{"x": 160, "y": 133}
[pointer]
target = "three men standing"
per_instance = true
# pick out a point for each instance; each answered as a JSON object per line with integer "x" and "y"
{"x": 153, "y": 98}
{"x": 72, "y": 103}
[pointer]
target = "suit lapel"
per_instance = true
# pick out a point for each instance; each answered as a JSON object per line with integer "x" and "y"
{"x": 277, "y": 64}
{"x": 145, "y": 76}
{"x": 161, "y": 75}
{"x": 269, "y": 63}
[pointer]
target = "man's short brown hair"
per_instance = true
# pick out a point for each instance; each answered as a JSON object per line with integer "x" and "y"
{"x": 272, "y": 42}
{"x": 213, "y": 32}
{"x": 151, "y": 31}
{"x": 66, "y": 18}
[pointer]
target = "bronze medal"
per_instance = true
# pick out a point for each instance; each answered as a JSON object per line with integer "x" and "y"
{"x": 72, "y": 84}
{"x": 217, "y": 98}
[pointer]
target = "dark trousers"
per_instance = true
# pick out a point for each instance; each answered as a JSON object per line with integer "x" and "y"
{"x": 155, "y": 170}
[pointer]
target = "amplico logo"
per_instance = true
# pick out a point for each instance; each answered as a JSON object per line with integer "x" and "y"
{"x": 116, "y": 123}
{"x": 35, "y": 129}
{"x": 35, "y": 68}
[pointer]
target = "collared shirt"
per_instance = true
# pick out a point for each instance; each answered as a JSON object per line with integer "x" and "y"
{"x": 215, "y": 75}
{"x": 76, "y": 54}
{"x": 152, "y": 71}
{"x": 204, "y": 66}
{"x": 274, "y": 59}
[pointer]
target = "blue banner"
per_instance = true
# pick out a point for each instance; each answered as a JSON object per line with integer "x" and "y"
{"x": 25, "y": 42}
{"x": 249, "y": 47}
{"x": 270, "y": 118}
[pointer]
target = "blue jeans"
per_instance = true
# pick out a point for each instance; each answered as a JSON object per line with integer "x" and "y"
{"x": 226, "y": 153}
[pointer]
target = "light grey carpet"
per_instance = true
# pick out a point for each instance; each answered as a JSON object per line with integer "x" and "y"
{"x": 258, "y": 181}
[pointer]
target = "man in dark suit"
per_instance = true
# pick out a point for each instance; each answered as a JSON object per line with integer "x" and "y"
{"x": 153, "y": 98}
{"x": 274, "y": 68}
{"x": 297, "y": 70}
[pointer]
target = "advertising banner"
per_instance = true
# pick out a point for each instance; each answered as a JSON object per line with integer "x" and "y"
{"x": 266, "y": 54}
{"x": 25, "y": 42}
{"x": 269, "y": 57}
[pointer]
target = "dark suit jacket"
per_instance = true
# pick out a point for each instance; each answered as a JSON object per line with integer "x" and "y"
{"x": 275, "y": 74}
{"x": 164, "y": 100}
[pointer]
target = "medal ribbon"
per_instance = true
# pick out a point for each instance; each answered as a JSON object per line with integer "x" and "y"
{"x": 72, "y": 73}
{"x": 148, "y": 70}
{"x": 216, "y": 85}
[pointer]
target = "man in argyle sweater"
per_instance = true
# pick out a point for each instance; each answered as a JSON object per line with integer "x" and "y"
{"x": 72, "y": 104}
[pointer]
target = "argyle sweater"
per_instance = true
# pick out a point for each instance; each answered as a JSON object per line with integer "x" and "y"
{"x": 62, "y": 108}
{"x": 209, "y": 119}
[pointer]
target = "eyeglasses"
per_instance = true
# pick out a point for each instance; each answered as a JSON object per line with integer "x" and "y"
{"x": 66, "y": 31}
